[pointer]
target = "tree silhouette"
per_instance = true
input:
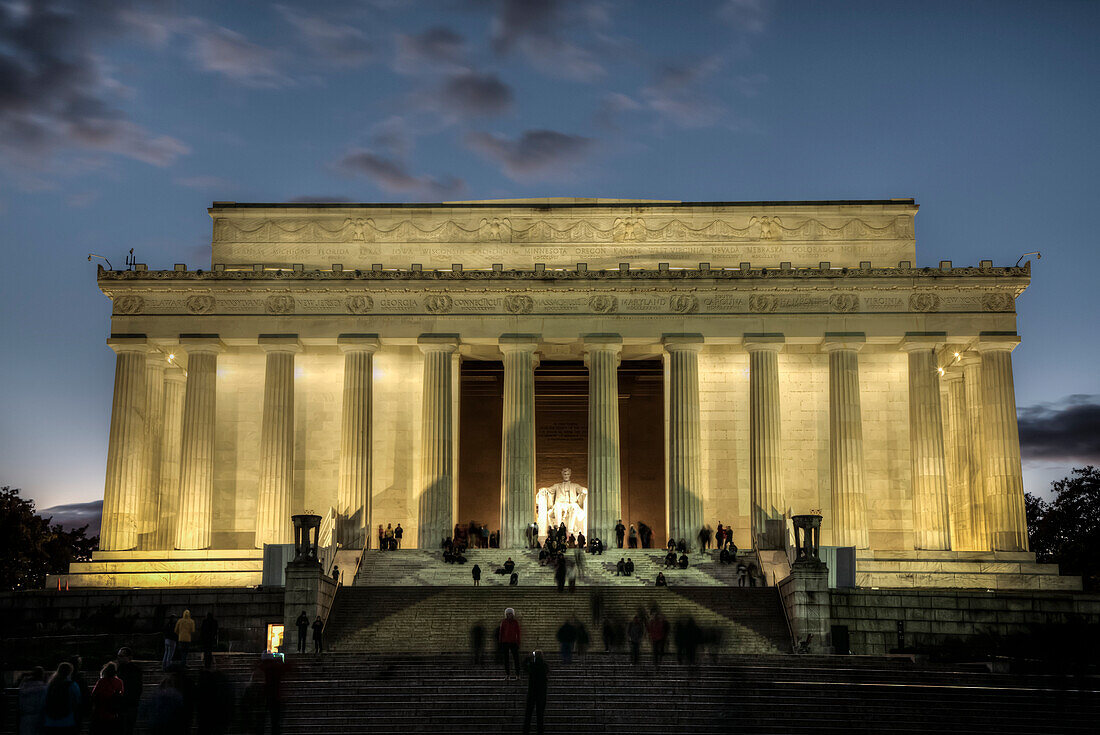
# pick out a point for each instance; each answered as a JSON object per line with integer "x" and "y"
{"x": 1066, "y": 531}
{"x": 31, "y": 548}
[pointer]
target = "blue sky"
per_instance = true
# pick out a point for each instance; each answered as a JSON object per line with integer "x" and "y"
{"x": 121, "y": 121}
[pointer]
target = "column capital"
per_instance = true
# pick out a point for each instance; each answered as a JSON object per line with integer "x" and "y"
{"x": 682, "y": 342}
{"x": 996, "y": 342}
{"x": 970, "y": 358}
{"x": 128, "y": 343}
{"x": 513, "y": 342}
{"x": 438, "y": 342}
{"x": 914, "y": 341}
{"x": 835, "y": 341}
{"x": 193, "y": 343}
{"x": 279, "y": 343}
{"x": 156, "y": 358}
{"x": 175, "y": 374}
{"x": 950, "y": 376}
{"x": 602, "y": 342}
{"x": 763, "y": 342}
{"x": 358, "y": 343}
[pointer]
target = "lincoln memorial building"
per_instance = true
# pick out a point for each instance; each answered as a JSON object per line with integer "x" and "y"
{"x": 690, "y": 362}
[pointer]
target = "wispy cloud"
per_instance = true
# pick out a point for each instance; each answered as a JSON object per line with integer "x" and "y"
{"x": 205, "y": 182}
{"x": 545, "y": 32}
{"x": 678, "y": 94}
{"x": 436, "y": 48}
{"x": 231, "y": 54}
{"x": 393, "y": 175}
{"x": 534, "y": 155}
{"x": 76, "y": 515}
{"x": 340, "y": 43}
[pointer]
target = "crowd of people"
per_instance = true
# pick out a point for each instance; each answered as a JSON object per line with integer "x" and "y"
{"x": 389, "y": 538}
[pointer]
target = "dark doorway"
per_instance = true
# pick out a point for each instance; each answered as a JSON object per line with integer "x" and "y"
{"x": 561, "y": 437}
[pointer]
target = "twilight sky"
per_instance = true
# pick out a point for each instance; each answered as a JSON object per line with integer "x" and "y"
{"x": 120, "y": 122}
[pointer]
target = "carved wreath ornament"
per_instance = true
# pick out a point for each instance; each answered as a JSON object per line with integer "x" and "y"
{"x": 924, "y": 302}
{"x": 200, "y": 304}
{"x": 518, "y": 304}
{"x": 129, "y": 304}
{"x": 359, "y": 304}
{"x": 280, "y": 304}
{"x": 844, "y": 302}
{"x": 998, "y": 302}
{"x": 603, "y": 303}
{"x": 683, "y": 303}
{"x": 764, "y": 304}
{"x": 439, "y": 304}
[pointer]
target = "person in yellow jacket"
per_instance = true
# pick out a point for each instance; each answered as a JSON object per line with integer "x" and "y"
{"x": 185, "y": 631}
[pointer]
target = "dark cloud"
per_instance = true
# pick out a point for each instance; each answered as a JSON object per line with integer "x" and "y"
{"x": 470, "y": 94}
{"x": 56, "y": 93}
{"x": 1066, "y": 431}
{"x": 541, "y": 30}
{"x": 435, "y": 48}
{"x": 76, "y": 515}
{"x": 536, "y": 154}
{"x": 393, "y": 176}
{"x": 340, "y": 43}
{"x": 678, "y": 94}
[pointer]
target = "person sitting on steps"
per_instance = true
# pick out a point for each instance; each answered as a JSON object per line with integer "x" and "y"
{"x": 509, "y": 566}
{"x": 683, "y": 561}
{"x": 670, "y": 559}
{"x": 620, "y": 567}
{"x": 629, "y": 568}
{"x": 661, "y": 581}
{"x": 671, "y": 546}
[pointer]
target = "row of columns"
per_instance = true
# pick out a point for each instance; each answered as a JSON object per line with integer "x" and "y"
{"x": 160, "y": 464}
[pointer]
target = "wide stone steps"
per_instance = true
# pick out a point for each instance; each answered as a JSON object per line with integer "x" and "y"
{"x": 388, "y": 619}
{"x": 413, "y": 567}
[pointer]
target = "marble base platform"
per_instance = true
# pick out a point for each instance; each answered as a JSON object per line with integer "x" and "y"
{"x": 985, "y": 570}
{"x": 171, "y": 569}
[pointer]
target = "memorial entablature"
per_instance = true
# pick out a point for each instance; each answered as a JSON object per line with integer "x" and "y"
{"x": 435, "y": 364}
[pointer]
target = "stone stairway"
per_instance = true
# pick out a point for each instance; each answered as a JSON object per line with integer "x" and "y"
{"x": 357, "y": 693}
{"x": 418, "y": 619}
{"x": 414, "y": 567}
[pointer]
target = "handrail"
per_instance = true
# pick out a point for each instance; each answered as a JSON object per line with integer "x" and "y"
{"x": 326, "y": 541}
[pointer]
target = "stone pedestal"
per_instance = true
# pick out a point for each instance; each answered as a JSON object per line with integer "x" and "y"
{"x": 685, "y": 493}
{"x": 931, "y": 517}
{"x": 849, "y": 501}
{"x": 353, "y": 505}
{"x": 805, "y": 596}
{"x": 765, "y": 452}
{"x": 517, "y": 501}
{"x": 125, "y": 447}
{"x": 194, "y": 521}
{"x": 436, "y": 501}
{"x": 601, "y": 355}
{"x": 1004, "y": 480}
{"x": 309, "y": 590}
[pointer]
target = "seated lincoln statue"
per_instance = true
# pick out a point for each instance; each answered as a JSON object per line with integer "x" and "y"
{"x": 563, "y": 502}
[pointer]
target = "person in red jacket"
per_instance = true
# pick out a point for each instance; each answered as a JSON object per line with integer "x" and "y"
{"x": 107, "y": 702}
{"x": 509, "y": 637}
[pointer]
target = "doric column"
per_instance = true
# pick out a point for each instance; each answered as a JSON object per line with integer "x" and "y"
{"x": 956, "y": 438}
{"x": 971, "y": 363}
{"x": 685, "y": 491}
{"x": 517, "y": 492}
{"x": 601, "y": 356}
{"x": 353, "y": 506}
{"x": 765, "y": 476}
{"x": 169, "y": 478}
{"x": 155, "y": 364}
{"x": 273, "y": 524}
{"x": 436, "y": 502}
{"x": 931, "y": 514}
{"x": 849, "y": 501}
{"x": 194, "y": 518}
{"x": 1004, "y": 488}
{"x": 125, "y": 447}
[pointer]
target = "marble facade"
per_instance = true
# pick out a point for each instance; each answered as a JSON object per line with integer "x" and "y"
{"x": 809, "y": 366}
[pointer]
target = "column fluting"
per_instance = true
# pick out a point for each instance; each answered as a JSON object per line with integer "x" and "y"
{"x": 971, "y": 363}
{"x": 849, "y": 500}
{"x": 125, "y": 475}
{"x": 273, "y": 503}
{"x": 685, "y": 498}
{"x": 169, "y": 478}
{"x": 604, "y": 509}
{"x": 517, "y": 475}
{"x": 354, "y": 493}
{"x": 194, "y": 517}
{"x": 155, "y": 364}
{"x": 1003, "y": 473}
{"x": 765, "y": 469}
{"x": 931, "y": 514}
{"x": 436, "y": 502}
